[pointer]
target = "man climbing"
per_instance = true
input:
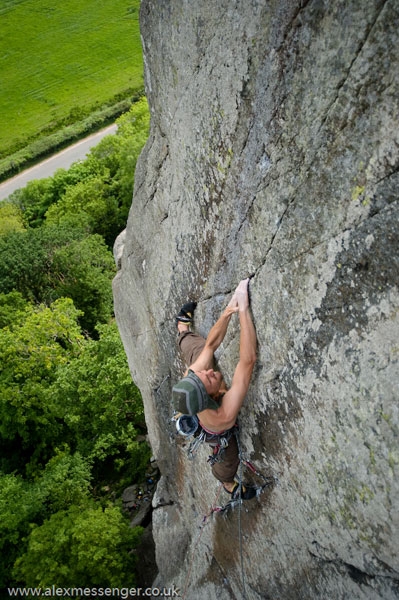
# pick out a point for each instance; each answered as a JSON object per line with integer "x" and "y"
{"x": 202, "y": 390}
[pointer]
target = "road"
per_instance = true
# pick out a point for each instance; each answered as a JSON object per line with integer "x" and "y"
{"x": 62, "y": 159}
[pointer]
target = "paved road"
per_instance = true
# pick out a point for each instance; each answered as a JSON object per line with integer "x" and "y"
{"x": 63, "y": 159}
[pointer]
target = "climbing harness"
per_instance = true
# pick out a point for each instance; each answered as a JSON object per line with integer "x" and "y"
{"x": 189, "y": 426}
{"x": 218, "y": 442}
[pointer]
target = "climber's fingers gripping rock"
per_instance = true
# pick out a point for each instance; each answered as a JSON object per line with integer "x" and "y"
{"x": 241, "y": 295}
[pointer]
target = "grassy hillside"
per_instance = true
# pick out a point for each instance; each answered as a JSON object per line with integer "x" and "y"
{"x": 60, "y": 61}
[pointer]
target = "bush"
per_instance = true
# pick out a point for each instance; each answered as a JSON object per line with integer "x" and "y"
{"x": 82, "y": 546}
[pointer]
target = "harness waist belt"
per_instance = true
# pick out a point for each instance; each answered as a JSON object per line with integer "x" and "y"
{"x": 214, "y": 432}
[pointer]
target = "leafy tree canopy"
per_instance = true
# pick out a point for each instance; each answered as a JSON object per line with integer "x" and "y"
{"x": 11, "y": 218}
{"x": 87, "y": 204}
{"x": 85, "y": 546}
{"x": 101, "y": 406}
{"x": 30, "y": 353}
{"x": 13, "y": 307}
{"x": 64, "y": 481}
{"x": 51, "y": 262}
{"x": 69, "y": 412}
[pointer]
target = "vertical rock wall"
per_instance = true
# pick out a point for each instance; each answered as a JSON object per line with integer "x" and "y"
{"x": 273, "y": 152}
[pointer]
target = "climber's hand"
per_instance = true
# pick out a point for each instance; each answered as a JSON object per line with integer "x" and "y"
{"x": 241, "y": 295}
{"x": 232, "y": 306}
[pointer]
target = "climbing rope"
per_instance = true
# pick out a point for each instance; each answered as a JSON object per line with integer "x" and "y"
{"x": 244, "y": 594}
{"x": 192, "y": 449}
{"x": 203, "y": 523}
{"x": 224, "y": 509}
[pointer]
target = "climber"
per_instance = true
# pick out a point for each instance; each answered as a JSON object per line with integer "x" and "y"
{"x": 203, "y": 392}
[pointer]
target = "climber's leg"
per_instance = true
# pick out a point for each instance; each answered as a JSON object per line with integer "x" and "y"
{"x": 226, "y": 469}
{"x": 190, "y": 344}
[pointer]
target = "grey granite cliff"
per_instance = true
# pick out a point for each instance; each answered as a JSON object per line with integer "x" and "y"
{"x": 274, "y": 153}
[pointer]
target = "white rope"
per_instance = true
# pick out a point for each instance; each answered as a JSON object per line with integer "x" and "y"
{"x": 244, "y": 593}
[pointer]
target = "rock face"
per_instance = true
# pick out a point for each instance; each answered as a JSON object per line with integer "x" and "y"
{"x": 274, "y": 153}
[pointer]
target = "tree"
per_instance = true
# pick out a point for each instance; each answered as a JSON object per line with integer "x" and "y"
{"x": 95, "y": 193}
{"x": 33, "y": 200}
{"x": 82, "y": 546}
{"x": 11, "y": 218}
{"x": 30, "y": 353}
{"x": 83, "y": 270}
{"x": 13, "y": 308}
{"x": 38, "y": 195}
{"x": 69, "y": 412}
{"x": 102, "y": 407}
{"x": 50, "y": 262}
{"x": 26, "y": 258}
{"x": 63, "y": 483}
{"x": 89, "y": 204}
{"x": 119, "y": 154}
{"x": 19, "y": 504}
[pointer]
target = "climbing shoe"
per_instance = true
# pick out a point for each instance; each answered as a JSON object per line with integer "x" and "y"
{"x": 247, "y": 491}
{"x": 186, "y": 313}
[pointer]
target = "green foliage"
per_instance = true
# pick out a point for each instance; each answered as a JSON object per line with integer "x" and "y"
{"x": 38, "y": 195}
{"x": 65, "y": 537}
{"x": 87, "y": 204}
{"x": 56, "y": 385}
{"x": 11, "y": 218}
{"x": 64, "y": 482}
{"x": 26, "y": 258}
{"x": 47, "y": 263}
{"x": 69, "y": 412}
{"x": 95, "y": 194}
{"x": 82, "y": 546}
{"x": 12, "y": 308}
{"x": 99, "y": 402}
{"x": 19, "y": 504}
{"x": 30, "y": 352}
{"x": 49, "y": 144}
{"x": 119, "y": 154}
{"x": 62, "y": 61}
{"x": 83, "y": 270}
{"x": 33, "y": 200}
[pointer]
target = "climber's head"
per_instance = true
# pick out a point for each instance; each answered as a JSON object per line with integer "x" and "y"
{"x": 191, "y": 394}
{"x": 211, "y": 379}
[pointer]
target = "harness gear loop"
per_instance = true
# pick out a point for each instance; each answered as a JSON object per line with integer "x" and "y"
{"x": 195, "y": 444}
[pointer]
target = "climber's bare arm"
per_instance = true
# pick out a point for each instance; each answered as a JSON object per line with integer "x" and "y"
{"x": 214, "y": 339}
{"x": 226, "y": 416}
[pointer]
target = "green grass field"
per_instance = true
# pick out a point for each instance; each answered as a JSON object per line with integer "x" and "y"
{"x": 60, "y": 60}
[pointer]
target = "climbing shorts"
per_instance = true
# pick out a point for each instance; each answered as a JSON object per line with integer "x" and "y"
{"x": 225, "y": 458}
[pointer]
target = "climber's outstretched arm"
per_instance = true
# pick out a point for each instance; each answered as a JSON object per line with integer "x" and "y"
{"x": 214, "y": 339}
{"x": 226, "y": 416}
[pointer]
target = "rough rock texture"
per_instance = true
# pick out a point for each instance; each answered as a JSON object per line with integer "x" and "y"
{"x": 274, "y": 153}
